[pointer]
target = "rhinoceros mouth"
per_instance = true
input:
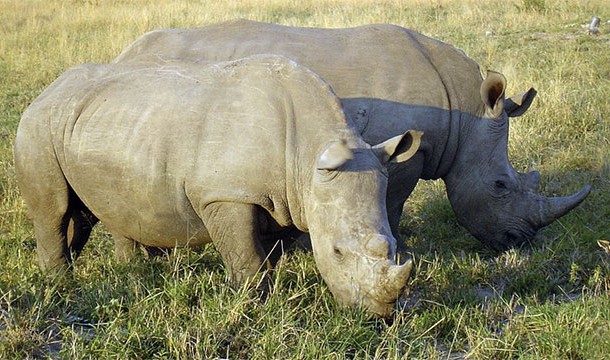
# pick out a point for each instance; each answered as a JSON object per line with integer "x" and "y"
{"x": 512, "y": 238}
{"x": 381, "y": 307}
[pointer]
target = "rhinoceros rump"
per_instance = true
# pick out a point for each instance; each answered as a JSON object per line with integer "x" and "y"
{"x": 178, "y": 155}
{"x": 391, "y": 79}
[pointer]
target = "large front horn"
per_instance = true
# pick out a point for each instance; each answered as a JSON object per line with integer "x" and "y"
{"x": 399, "y": 275}
{"x": 552, "y": 208}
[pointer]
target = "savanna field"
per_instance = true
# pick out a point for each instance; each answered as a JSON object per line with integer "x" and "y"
{"x": 548, "y": 300}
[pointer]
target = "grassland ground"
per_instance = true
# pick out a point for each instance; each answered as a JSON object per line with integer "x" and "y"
{"x": 547, "y": 300}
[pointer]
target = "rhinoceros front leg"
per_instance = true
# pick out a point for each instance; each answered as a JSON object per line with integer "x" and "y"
{"x": 234, "y": 230}
{"x": 124, "y": 248}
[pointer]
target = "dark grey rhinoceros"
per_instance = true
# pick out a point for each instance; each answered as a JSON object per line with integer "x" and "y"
{"x": 178, "y": 155}
{"x": 391, "y": 79}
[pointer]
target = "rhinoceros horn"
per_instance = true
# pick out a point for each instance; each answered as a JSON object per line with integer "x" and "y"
{"x": 398, "y": 275}
{"x": 552, "y": 208}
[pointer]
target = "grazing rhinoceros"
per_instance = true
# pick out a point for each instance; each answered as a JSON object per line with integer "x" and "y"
{"x": 391, "y": 79}
{"x": 178, "y": 155}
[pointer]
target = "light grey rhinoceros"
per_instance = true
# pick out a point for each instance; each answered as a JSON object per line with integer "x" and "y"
{"x": 177, "y": 155}
{"x": 391, "y": 79}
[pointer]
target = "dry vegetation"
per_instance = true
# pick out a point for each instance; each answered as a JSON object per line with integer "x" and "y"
{"x": 549, "y": 300}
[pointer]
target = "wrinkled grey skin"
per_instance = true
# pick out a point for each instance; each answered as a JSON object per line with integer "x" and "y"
{"x": 391, "y": 79}
{"x": 177, "y": 155}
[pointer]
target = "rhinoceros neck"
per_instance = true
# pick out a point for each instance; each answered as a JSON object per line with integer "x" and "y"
{"x": 446, "y": 150}
{"x": 377, "y": 120}
{"x": 314, "y": 119}
{"x": 461, "y": 79}
{"x": 297, "y": 176}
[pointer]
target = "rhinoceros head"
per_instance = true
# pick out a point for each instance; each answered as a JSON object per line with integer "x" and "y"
{"x": 346, "y": 213}
{"x": 498, "y": 205}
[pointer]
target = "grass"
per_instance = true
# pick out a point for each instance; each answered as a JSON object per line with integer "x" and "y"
{"x": 548, "y": 300}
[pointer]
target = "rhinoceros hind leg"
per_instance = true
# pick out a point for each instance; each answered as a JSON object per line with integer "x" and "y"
{"x": 47, "y": 199}
{"x": 233, "y": 228}
{"x": 51, "y": 245}
{"x": 53, "y": 226}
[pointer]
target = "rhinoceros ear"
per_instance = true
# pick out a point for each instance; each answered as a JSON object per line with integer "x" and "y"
{"x": 399, "y": 148}
{"x": 334, "y": 156}
{"x": 518, "y": 104}
{"x": 492, "y": 93}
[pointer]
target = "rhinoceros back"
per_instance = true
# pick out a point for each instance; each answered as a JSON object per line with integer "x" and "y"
{"x": 378, "y": 61}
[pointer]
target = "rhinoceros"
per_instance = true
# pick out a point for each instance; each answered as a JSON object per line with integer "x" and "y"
{"x": 177, "y": 155}
{"x": 391, "y": 79}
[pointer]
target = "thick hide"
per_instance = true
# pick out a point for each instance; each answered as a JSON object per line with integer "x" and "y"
{"x": 391, "y": 79}
{"x": 232, "y": 153}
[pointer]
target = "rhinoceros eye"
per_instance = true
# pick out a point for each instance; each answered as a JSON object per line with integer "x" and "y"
{"x": 500, "y": 185}
{"x": 327, "y": 175}
{"x": 501, "y": 188}
{"x": 338, "y": 253}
